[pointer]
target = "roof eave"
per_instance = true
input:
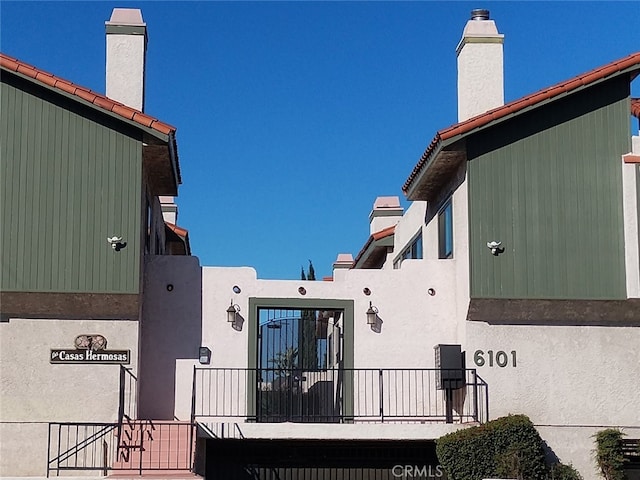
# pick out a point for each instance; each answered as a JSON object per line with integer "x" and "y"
{"x": 146, "y": 130}
{"x": 371, "y": 247}
{"x": 175, "y": 164}
{"x": 446, "y": 157}
{"x": 413, "y": 187}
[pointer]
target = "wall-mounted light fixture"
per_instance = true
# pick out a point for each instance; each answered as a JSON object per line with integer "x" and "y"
{"x": 116, "y": 243}
{"x": 495, "y": 247}
{"x": 204, "y": 355}
{"x": 232, "y": 312}
{"x": 372, "y": 314}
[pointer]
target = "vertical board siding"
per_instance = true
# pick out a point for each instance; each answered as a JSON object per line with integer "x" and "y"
{"x": 68, "y": 183}
{"x": 549, "y": 187}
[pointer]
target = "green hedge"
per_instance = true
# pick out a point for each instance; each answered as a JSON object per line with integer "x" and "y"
{"x": 508, "y": 447}
{"x": 609, "y": 454}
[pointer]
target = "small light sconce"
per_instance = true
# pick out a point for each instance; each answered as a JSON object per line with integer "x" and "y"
{"x": 232, "y": 312}
{"x": 372, "y": 314}
{"x": 495, "y": 247}
{"x": 204, "y": 355}
{"x": 116, "y": 243}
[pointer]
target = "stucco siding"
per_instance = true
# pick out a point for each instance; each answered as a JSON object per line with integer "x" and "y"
{"x": 69, "y": 181}
{"x": 548, "y": 185}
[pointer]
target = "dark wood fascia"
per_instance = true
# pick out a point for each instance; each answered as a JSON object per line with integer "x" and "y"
{"x": 609, "y": 313}
{"x": 108, "y": 306}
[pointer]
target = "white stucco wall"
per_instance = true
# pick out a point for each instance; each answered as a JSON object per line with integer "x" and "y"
{"x": 40, "y": 392}
{"x": 171, "y": 329}
{"x": 125, "y": 67}
{"x": 576, "y": 445}
{"x": 412, "y": 319}
{"x": 407, "y": 228}
{"x": 480, "y": 69}
{"x": 572, "y": 381}
{"x": 631, "y": 228}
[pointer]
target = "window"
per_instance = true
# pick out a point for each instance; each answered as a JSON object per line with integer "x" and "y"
{"x": 413, "y": 250}
{"x": 445, "y": 231}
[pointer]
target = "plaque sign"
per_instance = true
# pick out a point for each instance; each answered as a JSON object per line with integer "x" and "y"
{"x": 89, "y": 349}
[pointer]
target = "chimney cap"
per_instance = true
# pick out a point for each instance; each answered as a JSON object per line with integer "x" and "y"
{"x": 479, "y": 14}
{"x": 126, "y": 16}
{"x": 386, "y": 202}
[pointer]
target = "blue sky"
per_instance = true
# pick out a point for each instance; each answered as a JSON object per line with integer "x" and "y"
{"x": 293, "y": 117}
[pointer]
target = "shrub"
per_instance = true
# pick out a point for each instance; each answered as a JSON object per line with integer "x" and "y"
{"x": 560, "y": 471}
{"x": 508, "y": 447}
{"x": 609, "y": 456}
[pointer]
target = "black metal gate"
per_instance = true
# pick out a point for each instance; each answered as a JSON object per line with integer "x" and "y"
{"x": 322, "y": 460}
{"x": 299, "y": 365}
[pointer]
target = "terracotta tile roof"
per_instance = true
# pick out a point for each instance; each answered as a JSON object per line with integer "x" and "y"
{"x": 522, "y": 103}
{"x": 384, "y": 233}
{"x": 635, "y": 107}
{"x": 15, "y": 65}
{"x": 181, "y": 232}
{"x": 183, "y": 236}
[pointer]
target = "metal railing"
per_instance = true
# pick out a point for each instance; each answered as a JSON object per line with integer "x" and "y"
{"x": 143, "y": 446}
{"x": 339, "y": 395}
{"x": 128, "y": 444}
{"x": 128, "y": 393}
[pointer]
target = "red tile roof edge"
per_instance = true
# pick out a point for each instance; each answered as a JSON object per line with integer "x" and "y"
{"x": 379, "y": 235}
{"x": 181, "y": 232}
{"x": 635, "y": 107}
{"x": 100, "y": 101}
{"x": 522, "y": 103}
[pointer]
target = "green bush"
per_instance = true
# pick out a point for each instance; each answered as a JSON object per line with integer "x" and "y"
{"x": 609, "y": 454}
{"x": 560, "y": 471}
{"x": 508, "y": 447}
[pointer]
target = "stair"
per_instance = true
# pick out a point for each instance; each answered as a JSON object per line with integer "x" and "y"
{"x": 155, "y": 449}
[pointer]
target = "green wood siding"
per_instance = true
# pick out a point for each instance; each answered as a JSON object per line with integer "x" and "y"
{"x": 548, "y": 185}
{"x": 68, "y": 182}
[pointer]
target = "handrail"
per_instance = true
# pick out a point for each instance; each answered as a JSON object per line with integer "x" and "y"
{"x": 107, "y": 427}
{"x": 85, "y": 451}
{"x": 272, "y": 395}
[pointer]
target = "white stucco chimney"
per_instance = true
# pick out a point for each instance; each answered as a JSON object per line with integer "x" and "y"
{"x": 386, "y": 213}
{"x": 126, "y": 52}
{"x": 480, "y": 66}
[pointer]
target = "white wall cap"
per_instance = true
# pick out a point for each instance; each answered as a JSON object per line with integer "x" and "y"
{"x": 387, "y": 207}
{"x": 386, "y": 202}
{"x": 479, "y": 34}
{"x": 344, "y": 258}
{"x": 126, "y": 16}
{"x": 480, "y": 28}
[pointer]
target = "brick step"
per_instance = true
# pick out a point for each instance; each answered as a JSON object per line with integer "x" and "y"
{"x": 150, "y": 475}
{"x": 163, "y": 448}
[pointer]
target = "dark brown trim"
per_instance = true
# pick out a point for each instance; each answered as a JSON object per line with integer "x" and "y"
{"x": 70, "y": 305}
{"x": 609, "y": 313}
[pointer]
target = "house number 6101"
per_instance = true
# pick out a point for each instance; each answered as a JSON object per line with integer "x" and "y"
{"x": 501, "y": 358}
